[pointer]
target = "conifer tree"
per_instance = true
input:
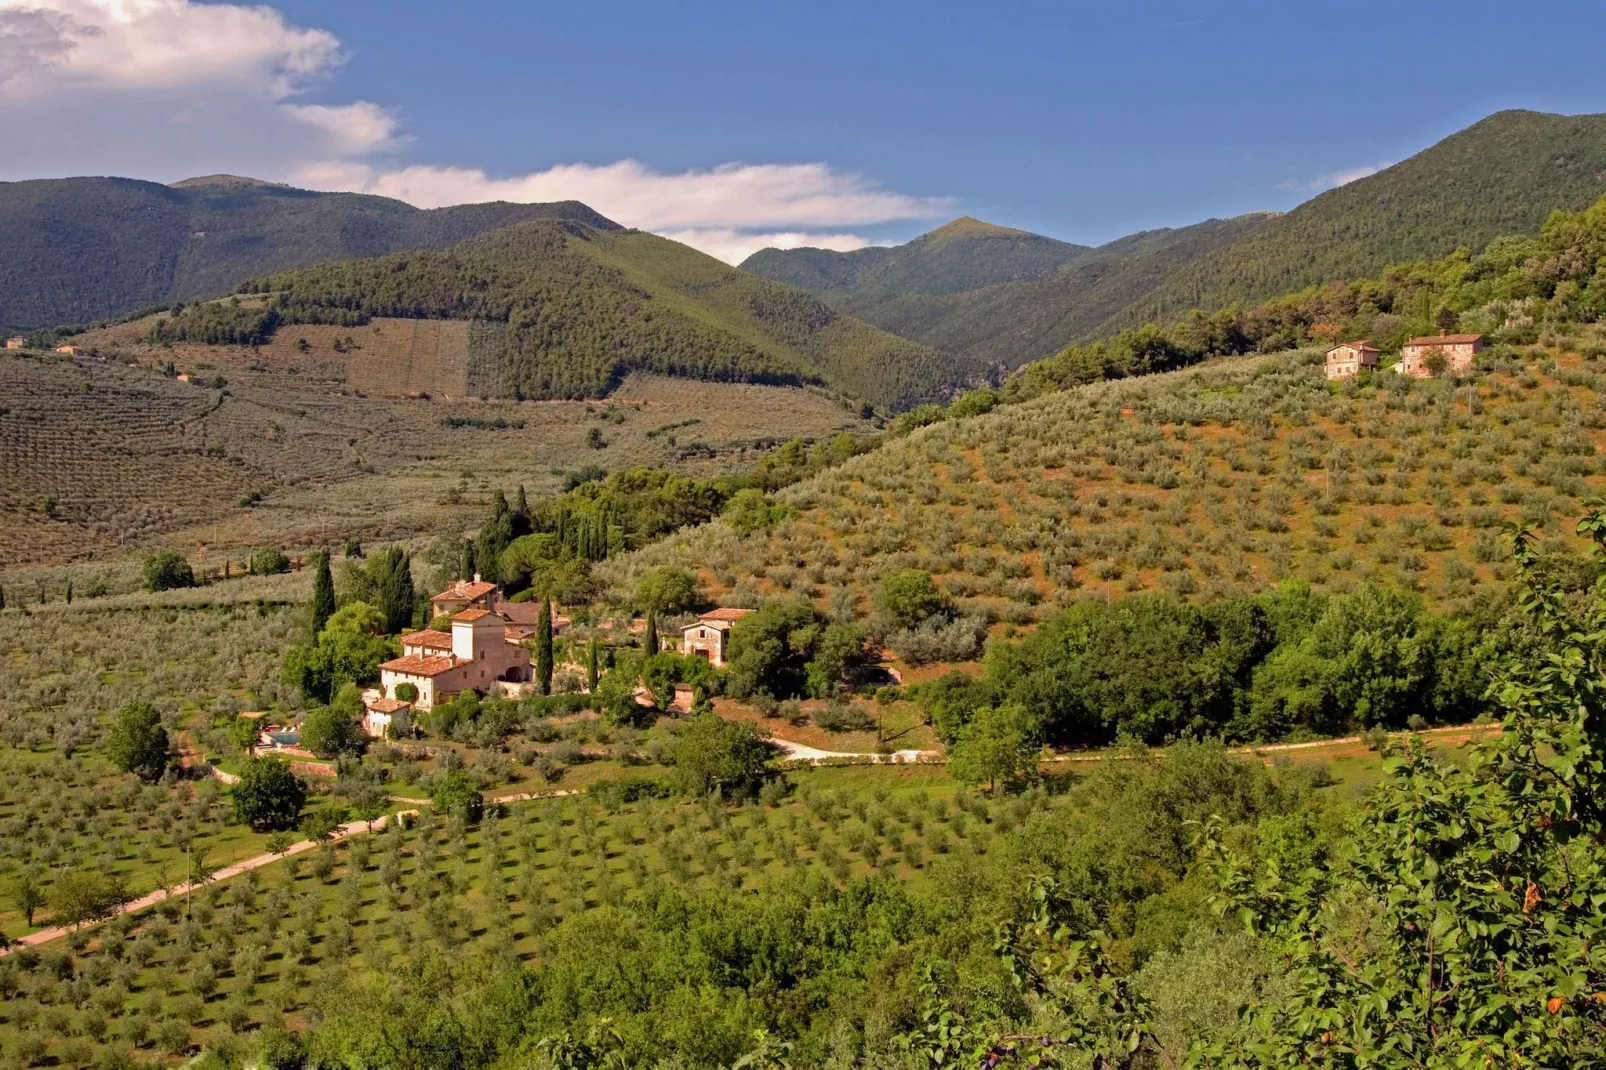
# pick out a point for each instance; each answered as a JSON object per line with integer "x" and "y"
{"x": 650, "y": 643}
{"x": 591, "y": 665}
{"x": 323, "y": 593}
{"x": 465, "y": 561}
{"x": 2, "y": 598}
{"x": 543, "y": 647}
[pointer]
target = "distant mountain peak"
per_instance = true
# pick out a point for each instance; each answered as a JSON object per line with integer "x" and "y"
{"x": 227, "y": 182}
{"x": 971, "y": 227}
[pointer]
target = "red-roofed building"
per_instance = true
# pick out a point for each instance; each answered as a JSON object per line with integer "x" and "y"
{"x": 709, "y": 636}
{"x": 379, "y": 713}
{"x": 479, "y": 656}
{"x": 465, "y": 594}
{"x": 1348, "y": 358}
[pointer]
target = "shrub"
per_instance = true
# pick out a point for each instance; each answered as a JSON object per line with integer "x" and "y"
{"x": 167, "y": 571}
{"x": 938, "y": 640}
{"x": 407, "y": 692}
{"x": 269, "y": 562}
{"x": 909, "y": 597}
{"x": 842, "y": 717}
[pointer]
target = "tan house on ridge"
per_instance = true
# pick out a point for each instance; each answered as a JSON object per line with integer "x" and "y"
{"x": 465, "y": 594}
{"x": 1346, "y": 359}
{"x": 16, "y": 341}
{"x": 709, "y": 636}
{"x": 70, "y": 350}
{"x": 1458, "y": 350}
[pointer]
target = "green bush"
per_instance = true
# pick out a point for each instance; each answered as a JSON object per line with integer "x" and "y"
{"x": 167, "y": 571}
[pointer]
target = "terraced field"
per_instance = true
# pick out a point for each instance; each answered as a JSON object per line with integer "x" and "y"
{"x": 100, "y": 456}
{"x": 1224, "y": 478}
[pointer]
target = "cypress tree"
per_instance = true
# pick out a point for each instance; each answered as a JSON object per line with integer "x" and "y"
{"x": 465, "y": 561}
{"x": 650, "y": 643}
{"x": 591, "y": 665}
{"x": 543, "y": 647}
{"x": 521, "y": 514}
{"x": 2, "y": 598}
{"x": 395, "y": 589}
{"x": 323, "y": 593}
{"x": 69, "y": 592}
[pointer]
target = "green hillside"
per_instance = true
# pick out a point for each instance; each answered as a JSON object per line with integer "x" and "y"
{"x": 81, "y": 249}
{"x": 1025, "y": 296}
{"x": 1502, "y": 175}
{"x": 580, "y": 306}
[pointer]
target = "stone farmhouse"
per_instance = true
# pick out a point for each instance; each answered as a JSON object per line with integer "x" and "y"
{"x": 70, "y": 350}
{"x": 1346, "y": 359}
{"x": 1458, "y": 350}
{"x": 16, "y": 341}
{"x": 709, "y": 636}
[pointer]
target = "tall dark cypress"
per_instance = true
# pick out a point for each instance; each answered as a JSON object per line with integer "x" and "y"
{"x": 591, "y": 665}
{"x": 543, "y": 648}
{"x": 323, "y": 593}
{"x": 465, "y": 561}
{"x": 395, "y": 589}
{"x": 650, "y": 643}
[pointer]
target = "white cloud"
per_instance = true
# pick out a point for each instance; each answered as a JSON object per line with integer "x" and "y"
{"x": 165, "y": 89}
{"x": 1335, "y": 179}
{"x": 734, "y": 246}
{"x": 727, "y": 211}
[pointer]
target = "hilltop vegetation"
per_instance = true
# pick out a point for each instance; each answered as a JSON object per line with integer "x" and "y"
{"x": 580, "y": 307}
{"x": 1501, "y": 176}
{"x": 83, "y": 249}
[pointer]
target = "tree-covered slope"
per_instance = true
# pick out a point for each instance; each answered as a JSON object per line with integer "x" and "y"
{"x": 1502, "y": 175}
{"x": 581, "y": 306}
{"x": 80, "y": 249}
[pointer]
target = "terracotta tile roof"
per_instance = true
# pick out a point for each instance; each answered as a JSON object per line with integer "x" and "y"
{"x": 520, "y": 612}
{"x": 1445, "y": 340}
{"x": 471, "y": 615}
{"x": 1362, "y": 344}
{"x": 386, "y": 705}
{"x": 421, "y": 665}
{"x": 427, "y": 639}
{"x": 726, "y": 616}
{"x": 464, "y": 591}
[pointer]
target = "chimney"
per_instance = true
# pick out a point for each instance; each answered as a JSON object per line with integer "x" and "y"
{"x": 476, "y": 577}
{"x": 1443, "y": 332}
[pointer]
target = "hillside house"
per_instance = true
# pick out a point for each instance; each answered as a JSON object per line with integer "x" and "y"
{"x": 16, "y": 341}
{"x": 1345, "y": 360}
{"x": 465, "y": 594}
{"x": 523, "y": 618}
{"x": 1416, "y": 356}
{"x": 70, "y": 350}
{"x": 379, "y": 712}
{"x": 709, "y": 636}
{"x": 480, "y": 656}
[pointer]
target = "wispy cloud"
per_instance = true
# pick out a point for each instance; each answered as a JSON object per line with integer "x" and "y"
{"x": 1334, "y": 179}
{"x": 169, "y": 88}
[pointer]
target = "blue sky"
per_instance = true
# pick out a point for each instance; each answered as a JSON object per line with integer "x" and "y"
{"x": 1083, "y": 121}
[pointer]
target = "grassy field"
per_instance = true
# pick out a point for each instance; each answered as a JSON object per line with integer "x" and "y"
{"x": 100, "y": 456}
{"x": 1223, "y": 478}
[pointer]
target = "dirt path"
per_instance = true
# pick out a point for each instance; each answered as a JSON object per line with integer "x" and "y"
{"x": 799, "y": 752}
{"x": 344, "y": 832}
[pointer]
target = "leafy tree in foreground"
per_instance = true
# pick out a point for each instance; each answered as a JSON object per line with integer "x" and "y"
{"x": 456, "y": 794}
{"x": 667, "y": 589}
{"x": 268, "y": 796}
{"x": 714, "y": 755}
{"x": 334, "y": 729}
{"x": 138, "y": 743}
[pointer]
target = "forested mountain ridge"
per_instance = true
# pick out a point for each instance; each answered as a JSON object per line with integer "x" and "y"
{"x": 1502, "y": 175}
{"x": 82, "y": 249}
{"x": 566, "y": 309}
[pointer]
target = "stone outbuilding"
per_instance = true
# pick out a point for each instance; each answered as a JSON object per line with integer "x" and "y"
{"x": 1416, "y": 356}
{"x": 465, "y": 594}
{"x": 16, "y": 341}
{"x": 709, "y": 636}
{"x": 1346, "y": 359}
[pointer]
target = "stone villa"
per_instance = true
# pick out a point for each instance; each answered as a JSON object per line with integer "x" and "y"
{"x": 1348, "y": 358}
{"x": 709, "y": 636}
{"x": 16, "y": 341}
{"x": 1458, "y": 351}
